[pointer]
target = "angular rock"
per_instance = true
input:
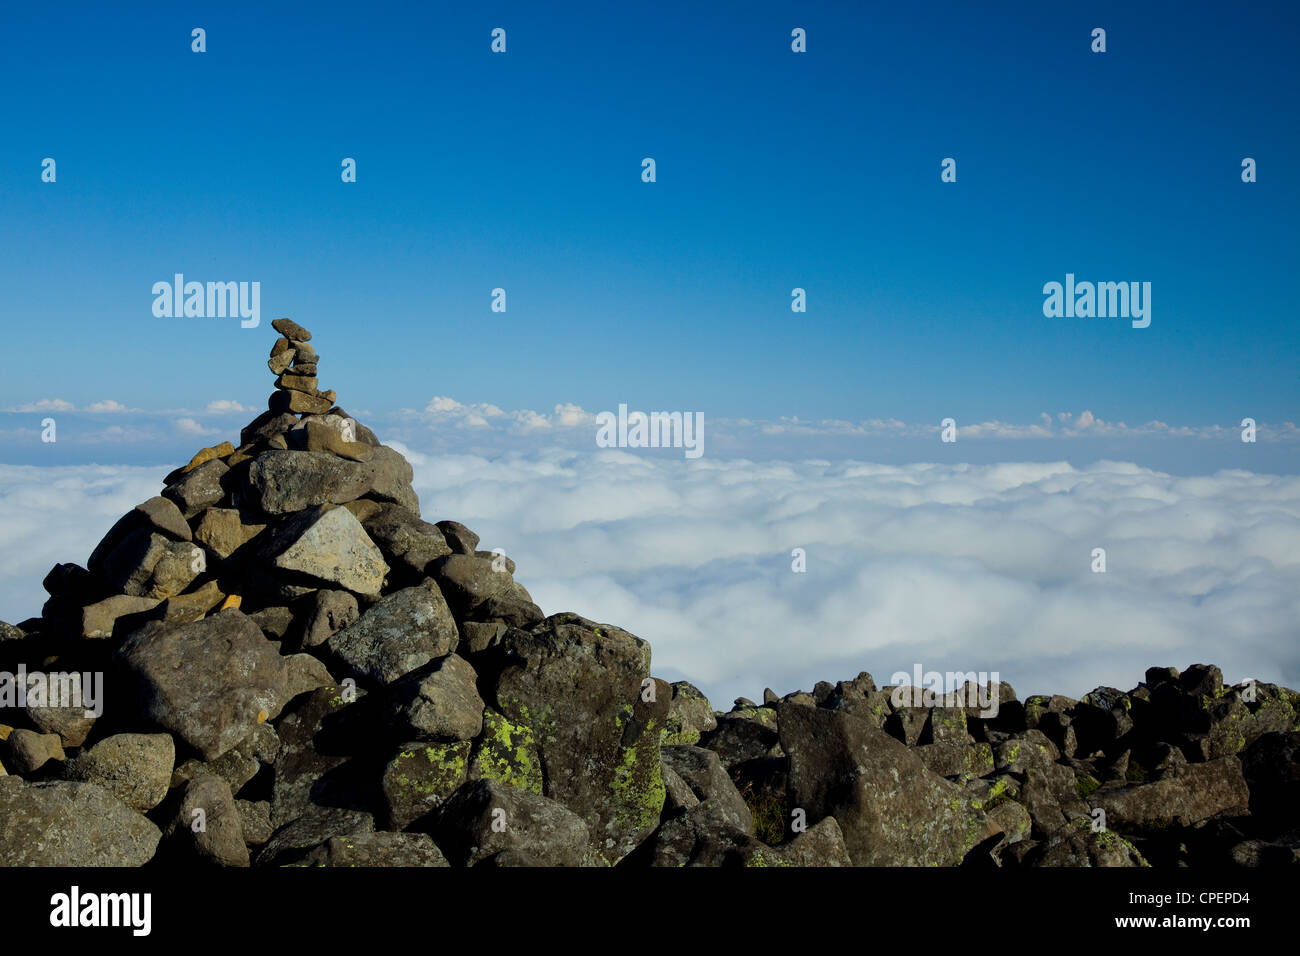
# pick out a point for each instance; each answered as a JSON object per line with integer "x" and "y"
{"x": 136, "y": 768}
{"x": 439, "y": 702}
{"x": 211, "y": 682}
{"x": 483, "y": 818}
{"x": 201, "y": 488}
{"x": 223, "y": 531}
{"x": 1201, "y": 791}
{"x": 701, "y": 770}
{"x": 293, "y": 841}
{"x": 28, "y": 751}
{"x": 65, "y": 823}
{"x": 468, "y": 580}
{"x": 328, "y": 545}
{"x": 220, "y": 841}
{"x": 99, "y": 619}
{"x": 280, "y": 482}
{"x": 291, "y": 330}
{"x": 421, "y": 777}
{"x": 822, "y": 844}
{"x": 689, "y": 715}
{"x": 331, "y": 612}
{"x": 458, "y": 537}
{"x": 891, "y": 810}
{"x": 401, "y": 632}
{"x": 254, "y": 821}
{"x": 331, "y": 434}
{"x": 408, "y": 544}
{"x": 577, "y": 686}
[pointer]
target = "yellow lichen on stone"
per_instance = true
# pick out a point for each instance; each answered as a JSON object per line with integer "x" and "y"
{"x": 233, "y": 600}
{"x": 207, "y": 454}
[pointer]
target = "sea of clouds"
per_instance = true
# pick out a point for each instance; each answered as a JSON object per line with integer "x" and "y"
{"x": 955, "y": 567}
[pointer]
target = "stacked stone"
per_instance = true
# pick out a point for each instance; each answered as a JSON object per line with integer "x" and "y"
{"x": 295, "y": 362}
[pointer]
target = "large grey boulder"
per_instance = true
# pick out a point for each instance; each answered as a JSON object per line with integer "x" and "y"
{"x": 66, "y": 823}
{"x": 397, "y": 634}
{"x": 483, "y": 818}
{"x": 892, "y": 811}
{"x": 136, "y": 768}
{"x": 211, "y": 681}
{"x": 579, "y": 689}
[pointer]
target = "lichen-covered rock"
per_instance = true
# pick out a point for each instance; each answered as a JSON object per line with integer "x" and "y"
{"x": 822, "y": 844}
{"x": 506, "y": 753}
{"x": 377, "y": 849}
{"x": 689, "y": 715}
{"x": 1077, "y": 844}
{"x": 582, "y": 689}
{"x": 400, "y": 633}
{"x": 1198, "y": 793}
{"x": 66, "y": 823}
{"x": 421, "y": 777}
{"x": 137, "y": 768}
{"x": 702, "y": 771}
{"x": 892, "y": 811}
{"x": 207, "y": 824}
{"x": 702, "y": 837}
{"x": 283, "y": 482}
{"x": 210, "y": 682}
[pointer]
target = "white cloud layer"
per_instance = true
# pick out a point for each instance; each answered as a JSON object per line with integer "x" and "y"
{"x": 954, "y": 567}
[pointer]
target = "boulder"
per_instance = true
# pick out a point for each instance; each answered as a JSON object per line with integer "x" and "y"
{"x": 398, "y": 634}
{"x": 136, "y": 768}
{"x": 437, "y": 702}
{"x": 327, "y": 545}
{"x": 66, "y": 823}
{"x": 892, "y": 811}
{"x": 210, "y": 682}
{"x": 483, "y": 818}
{"x": 207, "y": 824}
{"x": 577, "y": 686}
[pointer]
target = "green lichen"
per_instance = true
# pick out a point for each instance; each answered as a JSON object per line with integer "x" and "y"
{"x": 769, "y": 810}
{"x": 437, "y": 771}
{"x": 507, "y": 753}
{"x": 1136, "y": 773}
{"x": 759, "y": 858}
{"x": 638, "y": 784}
{"x": 686, "y": 735}
{"x": 1085, "y": 785}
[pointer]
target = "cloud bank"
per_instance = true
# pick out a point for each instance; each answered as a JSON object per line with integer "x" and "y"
{"x": 954, "y": 567}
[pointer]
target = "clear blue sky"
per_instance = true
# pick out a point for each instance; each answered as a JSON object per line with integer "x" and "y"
{"x": 775, "y": 170}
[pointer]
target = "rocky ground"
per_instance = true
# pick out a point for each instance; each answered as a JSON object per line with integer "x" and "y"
{"x": 300, "y": 670}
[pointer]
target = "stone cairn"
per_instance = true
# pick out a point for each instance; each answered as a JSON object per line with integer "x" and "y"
{"x": 287, "y": 646}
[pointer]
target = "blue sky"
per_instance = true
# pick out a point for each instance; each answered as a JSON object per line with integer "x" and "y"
{"x": 775, "y": 170}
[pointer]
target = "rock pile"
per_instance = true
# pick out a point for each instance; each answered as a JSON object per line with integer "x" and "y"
{"x": 300, "y": 670}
